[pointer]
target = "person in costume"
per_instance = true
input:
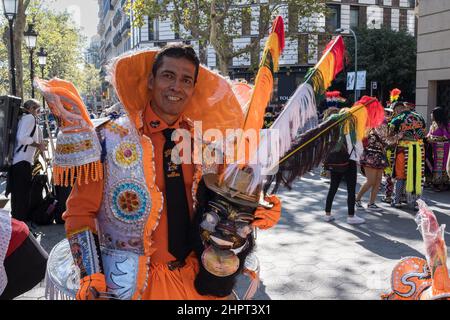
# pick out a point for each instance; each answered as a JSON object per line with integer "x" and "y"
{"x": 133, "y": 229}
{"x": 390, "y": 149}
{"x": 373, "y": 161}
{"x": 409, "y": 127}
{"x": 439, "y": 138}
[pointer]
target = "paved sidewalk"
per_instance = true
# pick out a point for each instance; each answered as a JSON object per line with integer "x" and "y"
{"x": 304, "y": 257}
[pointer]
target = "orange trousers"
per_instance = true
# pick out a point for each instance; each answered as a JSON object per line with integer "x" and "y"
{"x": 400, "y": 172}
{"x": 165, "y": 284}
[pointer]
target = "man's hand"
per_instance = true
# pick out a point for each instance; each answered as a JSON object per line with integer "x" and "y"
{"x": 266, "y": 218}
{"x": 91, "y": 287}
{"x": 43, "y": 146}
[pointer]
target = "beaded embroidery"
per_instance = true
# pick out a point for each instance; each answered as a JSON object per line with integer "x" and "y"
{"x": 117, "y": 129}
{"x": 127, "y": 155}
{"x": 130, "y": 201}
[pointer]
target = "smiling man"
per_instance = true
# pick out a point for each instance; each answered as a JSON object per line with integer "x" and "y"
{"x": 132, "y": 232}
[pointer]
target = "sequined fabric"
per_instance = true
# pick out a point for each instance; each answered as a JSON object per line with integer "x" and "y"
{"x": 5, "y": 237}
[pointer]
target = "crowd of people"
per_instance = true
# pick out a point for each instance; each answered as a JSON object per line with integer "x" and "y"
{"x": 400, "y": 150}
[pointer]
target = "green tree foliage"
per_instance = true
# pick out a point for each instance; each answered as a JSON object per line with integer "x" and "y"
{"x": 218, "y": 22}
{"x": 91, "y": 84}
{"x": 389, "y": 58}
{"x": 62, "y": 40}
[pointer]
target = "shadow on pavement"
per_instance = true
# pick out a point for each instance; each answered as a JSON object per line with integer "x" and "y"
{"x": 382, "y": 246}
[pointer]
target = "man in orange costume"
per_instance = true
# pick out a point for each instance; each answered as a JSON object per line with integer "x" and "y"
{"x": 119, "y": 226}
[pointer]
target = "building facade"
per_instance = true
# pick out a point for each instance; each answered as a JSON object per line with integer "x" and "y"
{"x": 302, "y": 50}
{"x": 433, "y": 56}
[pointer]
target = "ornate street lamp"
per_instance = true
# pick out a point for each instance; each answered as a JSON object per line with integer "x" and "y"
{"x": 30, "y": 40}
{"x": 10, "y": 8}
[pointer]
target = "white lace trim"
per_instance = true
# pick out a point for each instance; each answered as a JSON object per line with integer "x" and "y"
{"x": 5, "y": 237}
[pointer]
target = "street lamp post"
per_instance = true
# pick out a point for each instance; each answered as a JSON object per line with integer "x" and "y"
{"x": 30, "y": 39}
{"x": 42, "y": 56}
{"x": 340, "y": 30}
{"x": 10, "y": 8}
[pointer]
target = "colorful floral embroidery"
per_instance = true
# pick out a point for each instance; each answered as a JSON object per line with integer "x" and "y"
{"x": 74, "y": 147}
{"x": 127, "y": 154}
{"x": 117, "y": 129}
{"x": 130, "y": 201}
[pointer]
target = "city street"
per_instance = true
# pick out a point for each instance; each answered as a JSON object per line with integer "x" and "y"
{"x": 304, "y": 257}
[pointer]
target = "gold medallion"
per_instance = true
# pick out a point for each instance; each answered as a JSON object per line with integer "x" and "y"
{"x": 221, "y": 263}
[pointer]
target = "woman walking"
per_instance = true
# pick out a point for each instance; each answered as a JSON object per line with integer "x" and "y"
{"x": 373, "y": 161}
{"x": 342, "y": 163}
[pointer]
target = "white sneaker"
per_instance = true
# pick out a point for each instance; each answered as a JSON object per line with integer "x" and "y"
{"x": 355, "y": 220}
{"x": 328, "y": 218}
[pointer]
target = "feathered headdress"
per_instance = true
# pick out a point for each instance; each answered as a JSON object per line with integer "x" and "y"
{"x": 263, "y": 88}
{"x": 312, "y": 147}
{"x": 78, "y": 150}
{"x": 299, "y": 114}
{"x": 395, "y": 95}
{"x": 255, "y": 112}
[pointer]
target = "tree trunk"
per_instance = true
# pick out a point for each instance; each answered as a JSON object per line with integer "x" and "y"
{"x": 223, "y": 64}
{"x": 19, "y": 28}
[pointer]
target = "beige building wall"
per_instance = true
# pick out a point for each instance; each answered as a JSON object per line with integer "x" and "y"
{"x": 433, "y": 52}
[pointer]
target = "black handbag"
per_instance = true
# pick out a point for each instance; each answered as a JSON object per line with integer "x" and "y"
{"x": 44, "y": 213}
{"x": 338, "y": 161}
{"x": 42, "y": 208}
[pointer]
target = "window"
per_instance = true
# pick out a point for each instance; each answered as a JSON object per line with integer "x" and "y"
{"x": 354, "y": 17}
{"x": 151, "y": 30}
{"x": 333, "y": 19}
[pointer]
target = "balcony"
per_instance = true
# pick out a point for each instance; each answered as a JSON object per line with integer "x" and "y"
{"x": 105, "y": 8}
{"x": 126, "y": 26}
{"x": 117, "y": 39}
{"x": 101, "y": 28}
{"x": 117, "y": 18}
{"x": 108, "y": 31}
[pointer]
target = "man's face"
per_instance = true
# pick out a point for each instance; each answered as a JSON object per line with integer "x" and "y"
{"x": 173, "y": 86}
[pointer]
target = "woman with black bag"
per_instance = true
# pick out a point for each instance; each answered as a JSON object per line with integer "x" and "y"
{"x": 342, "y": 163}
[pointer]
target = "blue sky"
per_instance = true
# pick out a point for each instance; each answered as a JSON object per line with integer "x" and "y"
{"x": 84, "y": 13}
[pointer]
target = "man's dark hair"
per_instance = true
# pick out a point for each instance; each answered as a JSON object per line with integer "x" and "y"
{"x": 31, "y": 104}
{"x": 440, "y": 116}
{"x": 176, "y": 50}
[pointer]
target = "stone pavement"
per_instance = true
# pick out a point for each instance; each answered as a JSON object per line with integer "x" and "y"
{"x": 304, "y": 257}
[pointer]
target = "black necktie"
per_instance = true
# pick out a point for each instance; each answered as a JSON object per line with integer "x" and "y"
{"x": 177, "y": 206}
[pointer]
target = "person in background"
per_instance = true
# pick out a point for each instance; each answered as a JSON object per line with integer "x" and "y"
{"x": 409, "y": 127}
{"x": 374, "y": 161}
{"x": 20, "y": 173}
{"x": 342, "y": 162}
{"x": 439, "y": 138}
{"x": 390, "y": 152}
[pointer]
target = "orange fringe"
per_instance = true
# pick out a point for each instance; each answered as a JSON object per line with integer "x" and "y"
{"x": 66, "y": 176}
